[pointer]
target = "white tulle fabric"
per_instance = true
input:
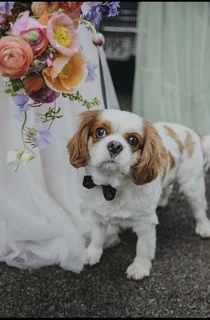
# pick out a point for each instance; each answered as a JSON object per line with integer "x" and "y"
{"x": 40, "y": 219}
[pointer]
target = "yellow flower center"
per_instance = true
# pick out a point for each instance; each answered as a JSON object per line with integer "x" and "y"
{"x": 66, "y": 72}
{"x": 63, "y": 36}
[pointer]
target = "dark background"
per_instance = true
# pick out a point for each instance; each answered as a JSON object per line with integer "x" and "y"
{"x": 123, "y": 76}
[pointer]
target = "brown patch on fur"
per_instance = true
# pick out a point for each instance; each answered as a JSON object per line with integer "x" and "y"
{"x": 78, "y": 145}
{"x": 172, "y": 161}
{"x": 100, "y": 124}
{"x": 164, "y": 173}
{"x": 153, "y": 158}
{"x": 173, "y": 135}
{"x": 138, "y": 136}
{"x": 190, "y": 144}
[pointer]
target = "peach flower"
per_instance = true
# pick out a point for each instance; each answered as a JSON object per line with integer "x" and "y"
{"x": 66, "y": 73}
{"x": 43, "y": 19}
{"x": 38, "y": 8}
{"x": 16, "y": 56}
{"x": 72, "y": 9}
{"x": 62, "y": 34}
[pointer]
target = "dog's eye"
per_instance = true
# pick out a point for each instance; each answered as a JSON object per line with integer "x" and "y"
{"x": 100, "y": 132}
{"x": 133, "y": 141}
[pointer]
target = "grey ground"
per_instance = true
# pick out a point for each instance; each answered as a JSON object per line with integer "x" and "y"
{"x": 179, "y": 284}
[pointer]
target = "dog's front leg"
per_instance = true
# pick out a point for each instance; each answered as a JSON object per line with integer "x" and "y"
{"x": 94, "y": 251}
{"x": 145, "y": 252}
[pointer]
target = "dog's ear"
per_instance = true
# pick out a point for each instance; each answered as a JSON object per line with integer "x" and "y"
{"x": 78, "y": 145}
{"x": 152, "y": 157}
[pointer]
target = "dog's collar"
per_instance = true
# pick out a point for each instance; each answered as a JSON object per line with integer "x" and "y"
{"x": 108, "y": 191}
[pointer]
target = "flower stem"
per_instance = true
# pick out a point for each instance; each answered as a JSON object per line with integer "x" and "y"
{"x": 87, "y": 22}
{"x": 22, "y": 133}
{"x": 37, "y": 17}
{"x": 15, "y": 35}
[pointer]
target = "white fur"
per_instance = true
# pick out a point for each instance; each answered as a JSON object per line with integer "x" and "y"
{"x": 135, "y": 206}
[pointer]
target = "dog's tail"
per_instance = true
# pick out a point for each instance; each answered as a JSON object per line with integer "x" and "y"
{"x": 205, "y": 142}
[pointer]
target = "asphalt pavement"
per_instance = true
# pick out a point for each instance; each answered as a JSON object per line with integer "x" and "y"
{"x": 179, "y": 284}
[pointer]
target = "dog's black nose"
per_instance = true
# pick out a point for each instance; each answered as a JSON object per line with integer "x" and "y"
{"x": 114, "y": 148}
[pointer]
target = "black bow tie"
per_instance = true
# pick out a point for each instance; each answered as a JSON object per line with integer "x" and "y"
{"x": 108, "y": 191}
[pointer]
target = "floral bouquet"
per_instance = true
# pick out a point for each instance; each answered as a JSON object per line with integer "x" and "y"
{"x": 41, "y": 58}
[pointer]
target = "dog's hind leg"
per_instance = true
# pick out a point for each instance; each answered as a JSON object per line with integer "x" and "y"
{"x": 112, "y": 238}
{"x": 194, "y": 190}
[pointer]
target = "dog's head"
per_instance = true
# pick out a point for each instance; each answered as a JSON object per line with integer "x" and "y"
{"x": 117, "y": 141}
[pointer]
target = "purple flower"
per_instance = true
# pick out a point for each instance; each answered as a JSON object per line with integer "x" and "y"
{"x": 19, "y": 113}
{"x": 46, "y": 58}
{"x": 49, "y": 62}
{"x": 5, "y": 8}
{"x": 91, "y": 66}
{"x": 113, "y": 8}
{"x": 44, "y": 95}
{"x": 20, "y": 99}
{"x": 93, "y": 15}
{"x": 40, "y": 136}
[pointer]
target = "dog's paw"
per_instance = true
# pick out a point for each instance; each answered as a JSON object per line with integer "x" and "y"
{"x": 92, "y": 255}
{"x": 137, "y": 272}
{"x": 203, "y": 229}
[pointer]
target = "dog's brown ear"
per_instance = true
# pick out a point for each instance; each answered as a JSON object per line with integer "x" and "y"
{"x": 78, "y": 145}
{"x": 152, "y": 157}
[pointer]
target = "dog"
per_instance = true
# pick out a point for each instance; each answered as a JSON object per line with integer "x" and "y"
{"x": 131, "y": 166}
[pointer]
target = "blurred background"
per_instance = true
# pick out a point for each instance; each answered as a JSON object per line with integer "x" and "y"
{"x": 120, "y": 47}
{"x": 158, "y": 54}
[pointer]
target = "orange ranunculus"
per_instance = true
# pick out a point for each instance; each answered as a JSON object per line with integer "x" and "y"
{"x": 38, "y": 8}
{"x": 34, "y": 82}
{"x": 66, "y": 73}
{"x": 16, "y": 56}
{"x": 72, "y": 9}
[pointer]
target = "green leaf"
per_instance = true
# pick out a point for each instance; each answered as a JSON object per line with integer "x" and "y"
{"x": 89, "y": 105}
{"x": 8, "y": 90}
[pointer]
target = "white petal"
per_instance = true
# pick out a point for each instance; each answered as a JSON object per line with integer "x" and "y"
{"x": 12, "y": 160}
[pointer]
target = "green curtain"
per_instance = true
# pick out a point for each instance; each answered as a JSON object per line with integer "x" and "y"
{"x": 172, "y": 73}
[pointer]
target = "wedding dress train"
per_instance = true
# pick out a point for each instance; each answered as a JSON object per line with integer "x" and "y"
{"x": 40, "y": 219}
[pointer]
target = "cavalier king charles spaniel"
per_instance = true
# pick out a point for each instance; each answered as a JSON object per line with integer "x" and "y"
{"x": 131, "y": 166}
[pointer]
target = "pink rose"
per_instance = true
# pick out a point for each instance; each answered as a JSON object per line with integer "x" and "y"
{"x": 29, "y": 27}
{"x": 25, "y": 23}
{"x": 38, "y": 46}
